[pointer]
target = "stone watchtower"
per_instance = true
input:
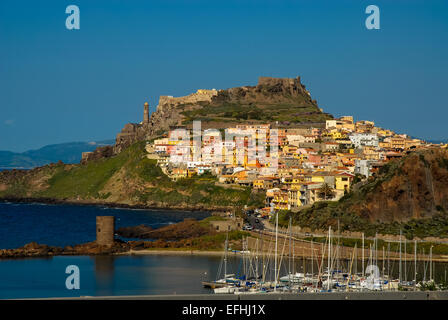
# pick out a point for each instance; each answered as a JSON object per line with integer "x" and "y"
{"x": 105, "y": 230}
{"x": 146, "y": 113}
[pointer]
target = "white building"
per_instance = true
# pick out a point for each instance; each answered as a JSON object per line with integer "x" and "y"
{"x": 295, "y": 139}
{"x": 364, "y": 139}
{"x": 363, "y": 167}
{"x": 330, "y": 124}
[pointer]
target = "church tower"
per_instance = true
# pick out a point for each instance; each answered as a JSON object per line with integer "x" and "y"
{"x": 146, "y": 113}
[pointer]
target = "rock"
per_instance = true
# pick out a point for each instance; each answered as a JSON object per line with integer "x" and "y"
{"x": 134, "y": 232}
{"x": 34, "y": 249}
{"x": 98, "y": 153}
{"x": 186, "y": 229}
{"x": 414, "y": 187}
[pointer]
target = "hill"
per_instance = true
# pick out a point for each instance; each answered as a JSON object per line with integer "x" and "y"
{"x": 66, "y": 152}
{"x": 129, "y": 178}
{"x": 283, "y": 102}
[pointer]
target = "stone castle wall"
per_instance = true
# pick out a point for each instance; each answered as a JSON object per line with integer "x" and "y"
{"x": 198, "y": 96}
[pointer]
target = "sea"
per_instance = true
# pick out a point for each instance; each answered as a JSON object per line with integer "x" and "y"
{"x": 61, "y": 225}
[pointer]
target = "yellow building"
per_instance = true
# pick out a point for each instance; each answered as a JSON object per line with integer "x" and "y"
{"x": 348, "y": 119}
{"x": 336, "y": 135}
{"x": 258, "y": 184}
{"x": 299, "y": 156}
{"x": 294, "y": 200}
{"x": 191, "y": 172}
{"x": 398, "y": 143}
{"x": 289, "y": 149}
{"x": 316, "y": 178}
{"x": 280, "y": 200}
{"x": 384, "y": 145}
{"x": 179, "y": 173}
{"x": 343, "y": 181}
{"x": 263, "y": 183}
{"x": 298, "y": 179}
{"x": 412, "y": 143}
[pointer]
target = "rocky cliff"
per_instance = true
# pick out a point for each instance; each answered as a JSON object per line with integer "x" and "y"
{"x": 411, "y": 188}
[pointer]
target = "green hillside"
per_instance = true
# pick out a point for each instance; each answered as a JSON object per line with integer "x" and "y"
{"x": 128, "y": 178}
{"x": 286, "y": 113}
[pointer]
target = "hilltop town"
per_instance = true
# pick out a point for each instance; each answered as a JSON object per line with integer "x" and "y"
{"x": 314, "y": 164}
{"x": 197, "y": 153}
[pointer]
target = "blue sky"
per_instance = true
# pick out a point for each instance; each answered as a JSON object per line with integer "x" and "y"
{"x": 59, "y": 85}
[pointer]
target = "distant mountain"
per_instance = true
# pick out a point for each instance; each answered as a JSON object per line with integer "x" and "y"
{"x": 432, "y": 140}
{"x": 438, "y": 141}
{"x": 69, "y": 152}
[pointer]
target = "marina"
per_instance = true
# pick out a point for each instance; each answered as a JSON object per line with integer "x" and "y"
{"x": 248, "y": 272}
{"x": 274, "y": 271}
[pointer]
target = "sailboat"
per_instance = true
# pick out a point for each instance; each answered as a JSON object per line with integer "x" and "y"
{"x": 222, "y": 285}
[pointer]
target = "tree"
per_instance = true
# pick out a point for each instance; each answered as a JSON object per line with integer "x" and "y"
{"x": 326, "y": 191}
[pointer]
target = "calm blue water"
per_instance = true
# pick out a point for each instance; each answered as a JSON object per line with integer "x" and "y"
{"x": 61, "y": 225}
{"x": 108, "y": 275}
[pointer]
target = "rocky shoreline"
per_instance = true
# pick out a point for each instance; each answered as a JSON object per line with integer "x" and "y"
{"x": 37, "y": 250}
{"x": 34, "y": 249}
{"x": 180, "y": 236}
{"x": 113, "y": 204}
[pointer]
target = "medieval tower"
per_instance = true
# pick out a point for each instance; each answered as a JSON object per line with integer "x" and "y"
{"x": 105, "y": 230}
{"x": 146, "y": 113}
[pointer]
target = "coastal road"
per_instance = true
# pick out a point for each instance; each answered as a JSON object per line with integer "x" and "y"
{"x": 252, "y": 220}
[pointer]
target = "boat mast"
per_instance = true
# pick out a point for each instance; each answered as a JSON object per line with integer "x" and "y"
{"x": 405, "y": 256}
{"x": 225, "y": 256}
{"x": 362, "y": 255}
{"x": 293, "y": 258}
{"x": 415, "y": 265}
{"x": 275, "y": 262}
{"x": 337, "y": 249}
{"x": 424, "y": 265}
{"x": 430, "y": 263}
{"x": 312, "y": 263}
{"x": 388, "y": 261}
{"x": 384, "y": 261}
{"x": 399, "y": 267}
{"x": 262, "y": 258}
{"x": 244, "y": 256}
{"x": 329, "y": 256}
{"x": 289, "y": 262}
{"x": 256, "y": 262}
{"x": 376, "y": 249}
